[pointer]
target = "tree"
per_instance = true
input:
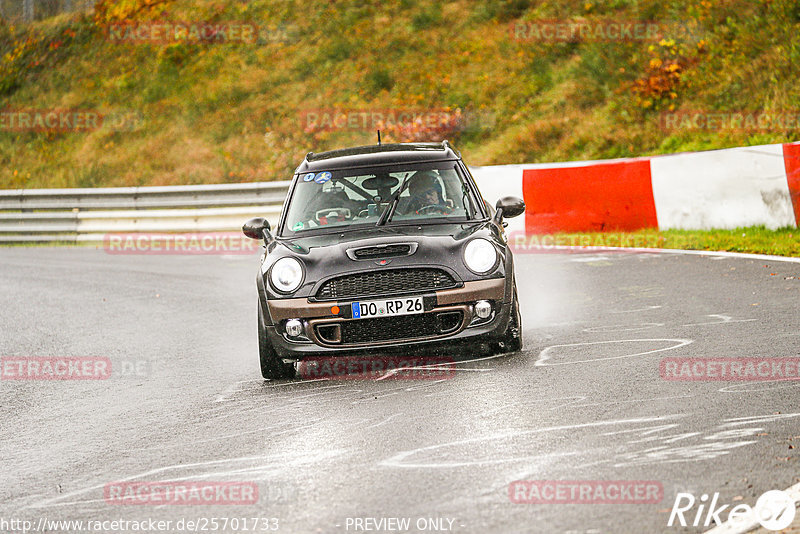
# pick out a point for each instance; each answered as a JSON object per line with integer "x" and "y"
{"x": 27, "y": 10}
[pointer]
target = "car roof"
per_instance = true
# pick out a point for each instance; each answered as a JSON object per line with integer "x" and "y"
{"x": 383, "y": 154}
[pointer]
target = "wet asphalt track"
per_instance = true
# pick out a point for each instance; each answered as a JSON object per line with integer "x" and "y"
{"x": 584, "y": 401}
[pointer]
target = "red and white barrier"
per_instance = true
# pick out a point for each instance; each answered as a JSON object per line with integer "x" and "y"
{"x": 729, "y": 188}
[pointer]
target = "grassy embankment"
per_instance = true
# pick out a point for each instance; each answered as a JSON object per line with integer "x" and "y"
{"x": 755, "y": 240}
{"x": 233, "y": 112}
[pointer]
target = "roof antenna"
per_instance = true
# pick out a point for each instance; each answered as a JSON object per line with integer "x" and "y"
{"x": 379, "y": 137}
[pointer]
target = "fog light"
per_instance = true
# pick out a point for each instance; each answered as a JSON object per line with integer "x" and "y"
{"x": 483, "y": 309}
{"x": 294, "y": 327}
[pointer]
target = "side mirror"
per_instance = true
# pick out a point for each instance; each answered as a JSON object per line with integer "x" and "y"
{"x": 257, "y": 228}
{"x": 509, "y": 207}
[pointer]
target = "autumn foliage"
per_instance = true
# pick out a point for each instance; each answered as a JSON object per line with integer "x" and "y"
{"x": 425, "y": 128}
{"x": 119, "y": 11}
{"x": 234, "y": 110}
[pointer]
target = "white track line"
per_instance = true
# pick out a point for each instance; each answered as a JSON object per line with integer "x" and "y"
{"x": 399, "y": 459}
{"x": 748, "y": 524}
{"x": 545, "y": 357}
{"x": 712, "y": 253}
{"x": 646, "y": 308}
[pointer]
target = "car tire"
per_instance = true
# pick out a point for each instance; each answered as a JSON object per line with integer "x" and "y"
{"x": 512, "y": 339}
{"x": 272, "y": 366}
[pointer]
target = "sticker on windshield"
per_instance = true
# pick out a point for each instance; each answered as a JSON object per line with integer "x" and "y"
{"x": 298, "y": 226}
{"x": 308, "y": 177}
{"x": 322, "y": 177}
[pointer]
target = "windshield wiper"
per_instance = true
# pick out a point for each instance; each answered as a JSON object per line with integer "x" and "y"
{"x": 465, "y": 199}
{"x": 388, "y": 213}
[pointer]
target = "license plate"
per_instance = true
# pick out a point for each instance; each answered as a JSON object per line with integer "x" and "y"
{"x": 387, "y": 308}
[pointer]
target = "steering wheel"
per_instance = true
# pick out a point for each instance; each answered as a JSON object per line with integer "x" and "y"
{"x": 441, "y": 208}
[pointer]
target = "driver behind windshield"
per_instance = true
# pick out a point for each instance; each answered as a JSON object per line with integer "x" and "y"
{"x": 424, "y": 190}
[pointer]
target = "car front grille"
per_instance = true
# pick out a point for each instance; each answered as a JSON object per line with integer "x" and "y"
{"x": 399, "y": 328}
{"x": 390, "y": 251}
{"x": 388, "y": 282}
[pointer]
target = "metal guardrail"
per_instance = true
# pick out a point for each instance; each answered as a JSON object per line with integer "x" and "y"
{"x": 86, "y": 215}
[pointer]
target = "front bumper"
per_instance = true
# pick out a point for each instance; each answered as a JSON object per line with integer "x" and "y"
{"x": 448, "y": 319}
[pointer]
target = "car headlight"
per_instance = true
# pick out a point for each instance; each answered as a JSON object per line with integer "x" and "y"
{"x": 286, "y": 275}
{"x": 480, "y": 256}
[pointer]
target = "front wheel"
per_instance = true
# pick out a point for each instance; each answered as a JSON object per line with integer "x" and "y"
{"x": 512, "y": 339}
{"x": 272, "y": 367}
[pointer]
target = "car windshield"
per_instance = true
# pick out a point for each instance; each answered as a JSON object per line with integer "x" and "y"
{"x": 432, "y": 192}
